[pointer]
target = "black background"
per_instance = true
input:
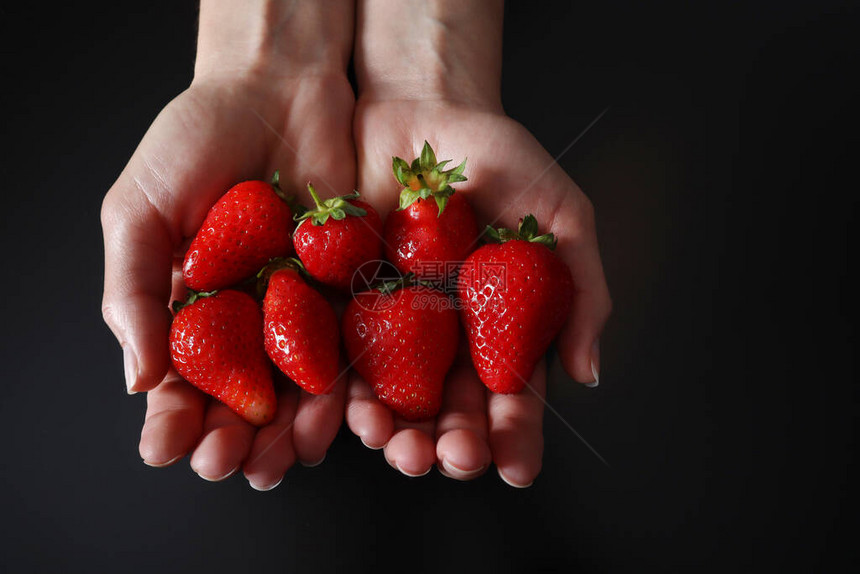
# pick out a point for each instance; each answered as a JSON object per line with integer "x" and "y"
{"x": 724, "y": 180}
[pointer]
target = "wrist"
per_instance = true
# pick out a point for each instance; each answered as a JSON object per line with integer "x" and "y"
{"x": 448, "y": 50}
{"x": 274, "y": 39}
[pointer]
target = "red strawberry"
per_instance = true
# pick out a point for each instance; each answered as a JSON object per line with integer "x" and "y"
{"x": 301, "y": 329}
{"x": 403, "y": 343}
{"x": 247, "y": 227}
{"x": 516, "y": 296}
{"x": 336, "y": 237}
{"x": 216, "y": 344}
{"x": 425, "y": 237}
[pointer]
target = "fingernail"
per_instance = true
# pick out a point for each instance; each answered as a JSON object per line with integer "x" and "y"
{"x": 219, "y": 478}
{"x": 409, "y": 474}
{"x": 266, "y": 488}
{"x": 312, "y": 464}
{"x": 511, "y": 483}
{"x": 368, "y": 446}
{"x": 129, "y": 360}
{"x": 595, "y": 364}
{"x": 162, "y": 464}
{"x": 458, "y": 473}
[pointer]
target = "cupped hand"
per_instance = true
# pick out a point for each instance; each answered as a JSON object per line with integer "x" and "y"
{"x": 215, "y": 134}
{"x": 509, "y": 175}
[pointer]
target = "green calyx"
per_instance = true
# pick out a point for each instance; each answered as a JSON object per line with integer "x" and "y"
{"x": 190, "y": 299}
{"x": 290, "y": 199}
{"x": 390, "y": 286}
{"x": 424, "y": 178}
{"x": 337, "y": 208}
{"x": 527, "y": 231}
{"x": 272, "y": 267}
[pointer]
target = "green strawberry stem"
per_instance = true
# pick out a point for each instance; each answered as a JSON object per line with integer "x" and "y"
{"x": 317, "y": 201}
{"x": 526, "y": 231}
{"x": 409, "y": 280}
{"x": 391, "y": 285}
{"x": 288, "y": 198}
{"x": 190, "y": 299}
{"x": 337, "y": 208}
{"x": 425, "y": 178}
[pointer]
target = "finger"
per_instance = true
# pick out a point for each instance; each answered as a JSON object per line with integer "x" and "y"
{"x": 367, "y": 418}
{"x": 317, "y": 423}
{"x": 159, "y": 200}
{"x": 412, "y": 449}
{"x": 138, "y": 264}
{"x": 578, "y": 343}
{"x": 178, "y": 292}
{"x": 579, "y": 340}
{"x": 516, "y": 430}
{"x": 462, "y": 447}
{"x": 174, "y": 421}
{"x": 273, "y": 451}
{"x": 226, "y": 442}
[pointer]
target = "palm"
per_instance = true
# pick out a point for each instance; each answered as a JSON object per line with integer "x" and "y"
{"x": 510, "y": 175}
{"x": 204, "y": 141}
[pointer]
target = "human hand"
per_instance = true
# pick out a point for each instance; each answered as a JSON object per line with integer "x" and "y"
{"x": 509, "y": 175}
{"x": 270, "y": 93}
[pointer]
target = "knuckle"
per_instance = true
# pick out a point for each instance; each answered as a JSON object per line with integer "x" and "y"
{"x": 109, "y": 209}
{"x": 608, "y": 307}
{"x": 118, "y": 210}
{"x": 111, "y": 318}
{"x": 584, "y": 210}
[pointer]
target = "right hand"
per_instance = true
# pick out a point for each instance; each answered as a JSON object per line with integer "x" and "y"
{"x": 223, "y": 129}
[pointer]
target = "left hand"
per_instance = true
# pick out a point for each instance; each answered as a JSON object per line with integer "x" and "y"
{"x": 509, "y": 175}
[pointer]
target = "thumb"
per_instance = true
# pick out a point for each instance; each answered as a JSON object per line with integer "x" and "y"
{"x": 578, "y": 342}
{"x": 143, "y": 216}
{"x": 138, "y": 264}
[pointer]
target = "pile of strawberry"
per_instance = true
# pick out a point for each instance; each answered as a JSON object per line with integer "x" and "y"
{"x": 262, "y": 273}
